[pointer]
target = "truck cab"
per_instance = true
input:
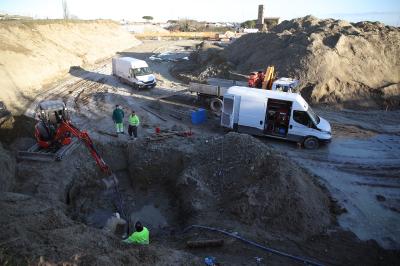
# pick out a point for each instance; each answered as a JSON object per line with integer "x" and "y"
{"x": 285, "y": 84}
{"x": 134, "y": 71}
{"x": 274, "y": 114}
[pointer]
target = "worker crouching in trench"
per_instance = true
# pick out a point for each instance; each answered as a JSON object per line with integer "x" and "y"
{"x": 140, "y": 236}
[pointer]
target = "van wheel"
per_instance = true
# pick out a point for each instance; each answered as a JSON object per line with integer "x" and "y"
{"x": 216, "y": 105}
{"x": 311, "y": 143}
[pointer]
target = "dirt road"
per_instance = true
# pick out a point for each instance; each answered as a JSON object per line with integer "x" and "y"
{"x": 91, "y": 94}
{"x": 361, "y": 169}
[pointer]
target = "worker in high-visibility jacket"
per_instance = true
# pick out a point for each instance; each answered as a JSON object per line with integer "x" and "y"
{"x": 141, "y": 236}
{"x": 118, "y": 118}
{"x": 134, "y": 122}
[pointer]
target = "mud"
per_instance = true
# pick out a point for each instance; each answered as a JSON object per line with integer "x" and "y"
{"x": 7, "y": 167}
{"x": 357, "y": 166}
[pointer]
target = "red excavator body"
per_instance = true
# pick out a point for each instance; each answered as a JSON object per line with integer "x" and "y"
{"x": 55, "y": 130}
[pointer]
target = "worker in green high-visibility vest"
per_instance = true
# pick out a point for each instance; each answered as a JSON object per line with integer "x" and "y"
{"x": 140, "y": 236}
{"x": 134, "y": 122}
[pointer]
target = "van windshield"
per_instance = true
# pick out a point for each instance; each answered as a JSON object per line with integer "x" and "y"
{"x": 142, "y": 71}
{"x": 313, "y": 116}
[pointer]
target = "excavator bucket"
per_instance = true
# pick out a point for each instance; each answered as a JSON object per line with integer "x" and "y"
{"x": 110, "y": 181}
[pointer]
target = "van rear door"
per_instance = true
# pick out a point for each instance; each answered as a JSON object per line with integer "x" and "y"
{"x": 230, "y": 110}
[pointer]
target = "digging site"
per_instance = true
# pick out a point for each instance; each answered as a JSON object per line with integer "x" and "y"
{"x": 210, "y": 185}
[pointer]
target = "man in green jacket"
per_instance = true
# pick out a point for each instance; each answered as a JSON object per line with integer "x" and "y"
{"x": 134, "y": 122}
{"x": 141, "y": 236}
{"x": 118, "y": 118}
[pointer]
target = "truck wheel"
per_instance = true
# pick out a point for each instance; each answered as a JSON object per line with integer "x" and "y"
{"x": 216, "y": 105}
{"x": 311, "y": 143}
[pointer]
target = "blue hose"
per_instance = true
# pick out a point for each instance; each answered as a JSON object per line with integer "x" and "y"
{"x": 274, "y": 251}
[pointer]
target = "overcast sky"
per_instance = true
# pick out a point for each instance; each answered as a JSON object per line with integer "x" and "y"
{"x": 386, "y": 11}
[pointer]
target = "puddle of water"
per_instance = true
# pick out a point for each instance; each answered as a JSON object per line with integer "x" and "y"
{"x": 98, "y": 218}
{"x": 150, "y": 216}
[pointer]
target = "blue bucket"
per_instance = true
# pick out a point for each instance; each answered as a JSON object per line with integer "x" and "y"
{"x": 198, "y": 116}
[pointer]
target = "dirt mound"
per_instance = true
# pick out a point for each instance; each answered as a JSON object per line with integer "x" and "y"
{"x": 206, "y": 61}
{"x": 33, "y": 231}
{"x": 354, "y": 64}
{"x": 35, "y": 52}
{"x": 271, "y": 196}
{"x": 42, "y": 219}
{"x": 7, "y": 170}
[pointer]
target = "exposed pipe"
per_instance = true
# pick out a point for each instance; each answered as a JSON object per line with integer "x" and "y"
{"x": 274, "y": 251}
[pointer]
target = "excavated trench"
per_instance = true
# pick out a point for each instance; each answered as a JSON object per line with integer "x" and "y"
{"x": 233, "y": 182}
{"x": 152, "y": 200}
{"x": 227, "y": 182}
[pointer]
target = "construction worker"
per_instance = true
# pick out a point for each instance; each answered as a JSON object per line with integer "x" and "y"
{"x": 118, "y": 118}
{"x": 140, "y": 236}
{"x": 134, "y": 122}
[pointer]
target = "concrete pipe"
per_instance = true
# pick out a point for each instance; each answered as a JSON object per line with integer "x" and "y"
{"x": 216, "y": 105}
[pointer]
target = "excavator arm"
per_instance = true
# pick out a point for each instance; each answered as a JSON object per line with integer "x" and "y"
{"x": 67, "y": 128}
{"x": 268, "y": 78}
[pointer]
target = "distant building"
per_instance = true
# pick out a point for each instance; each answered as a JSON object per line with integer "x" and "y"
{"x": 271, "y": 22}
{"x": 263, "y": 24}
{"x": 13, "y": 17}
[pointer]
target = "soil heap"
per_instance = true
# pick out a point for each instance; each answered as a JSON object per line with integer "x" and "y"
{"x": 234, "y": 181}
{"x": 33, "y": 53}
{"x": 336, "y": 61}
{"x": 38, "y": 226}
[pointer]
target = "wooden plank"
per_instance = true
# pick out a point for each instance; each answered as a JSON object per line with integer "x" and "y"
{"x": 153, "y": 113}
{"x": 172, "y": 94}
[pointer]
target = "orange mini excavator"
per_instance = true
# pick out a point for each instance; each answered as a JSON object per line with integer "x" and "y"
{"x": 56, "y": 136}
{"x": 262, "y": 80}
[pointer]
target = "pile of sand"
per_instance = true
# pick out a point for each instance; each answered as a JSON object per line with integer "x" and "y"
{"x": 236, "y": 181}
{"x": 33, "y": 53}
{"x": 336, "y": 61}
{"x": 145, "y": 28}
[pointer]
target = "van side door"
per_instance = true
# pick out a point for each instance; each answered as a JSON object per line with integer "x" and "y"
{"x": 252, "y": 112}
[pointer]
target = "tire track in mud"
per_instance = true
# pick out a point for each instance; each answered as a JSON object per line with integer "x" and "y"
{"x": 67, "y": 90}
{"x": 358, "y": 171}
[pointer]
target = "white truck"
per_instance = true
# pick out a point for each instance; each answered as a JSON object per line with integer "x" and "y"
{"x": 133, "y": 71}
{"x": 274, "y": 114}
{"x": 216, "y": 88}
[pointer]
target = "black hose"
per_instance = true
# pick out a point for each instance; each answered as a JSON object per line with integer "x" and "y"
{"x": 274, "y": 251}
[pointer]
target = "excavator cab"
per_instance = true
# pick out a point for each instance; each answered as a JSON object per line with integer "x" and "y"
{"x": 50, "y": 115}
{"x": 52, "y": 112}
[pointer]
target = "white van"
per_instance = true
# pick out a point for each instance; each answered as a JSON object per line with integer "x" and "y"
{"x": 274, "y": 114}
{"x": 133, "y": 71}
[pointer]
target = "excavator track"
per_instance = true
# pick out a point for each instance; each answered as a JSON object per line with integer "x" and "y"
{"x": 35, "y": 153}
